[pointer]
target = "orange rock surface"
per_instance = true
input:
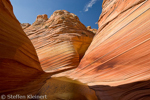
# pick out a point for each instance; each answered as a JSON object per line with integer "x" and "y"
{"x": 92, "y": 30}
{"x": 118, "y": 59}
{"x": 19, "y": 64}
{"x": 25, "y": 25}
{"x": 20, "y": 71}
{"x": 60, "y": 41}
{"x": 116, "y": 65}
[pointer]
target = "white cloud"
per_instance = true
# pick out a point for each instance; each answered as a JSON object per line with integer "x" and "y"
{"x": 96, "y": 22}
{"x": 89, "y": 5}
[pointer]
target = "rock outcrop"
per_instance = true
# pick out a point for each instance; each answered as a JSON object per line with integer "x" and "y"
{"x": 92, "y": 30}
{"x": 60, "y": 41}
{"x": 40, "y": 21}
{"x": 25, "y": 25}
{"x": 117, "y": 63}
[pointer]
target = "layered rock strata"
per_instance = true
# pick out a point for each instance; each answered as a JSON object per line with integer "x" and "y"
{"x": 60, "y": 41}
{"x": 117, "y": 63}
{"x": 19, "y": 64}
{"x": 25, "y": 25}
{"x": 21, "y": 76}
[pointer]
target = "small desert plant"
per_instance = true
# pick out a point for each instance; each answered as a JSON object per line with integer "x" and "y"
{"x": 63, "y": 17}
{"x": 46, "y": 26}
{"x": 83, "y": 33}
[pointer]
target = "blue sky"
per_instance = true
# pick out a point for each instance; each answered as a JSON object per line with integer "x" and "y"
{"x": 88, "y": 11}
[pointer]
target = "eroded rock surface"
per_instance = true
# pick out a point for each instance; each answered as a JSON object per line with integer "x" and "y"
{"x": 60, "y": 41}
{"x": 62, "y": 88}
{"x": 25, "y": 25}
{"x": 92, "y": 30}
{"x": 116, "y": 65}
{"x": 19, "y": 64}
{"x": 20, "y": 71}
{"x": 118, "y": 59}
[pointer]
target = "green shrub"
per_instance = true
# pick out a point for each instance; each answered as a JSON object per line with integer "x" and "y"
{"x": 46, "y": 26}
{"x": 83, "y": 33}
{"x": 63, "y": 18}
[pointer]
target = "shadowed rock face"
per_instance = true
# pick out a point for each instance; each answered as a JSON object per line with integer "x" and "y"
{"x": 131, "y": 91}
{"x": 60, "y": 41}
{"x": 62, "y": 88}
{"x": 119, "y": 53}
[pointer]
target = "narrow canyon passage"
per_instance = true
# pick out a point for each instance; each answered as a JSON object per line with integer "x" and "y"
{"x": 44, "y": 58}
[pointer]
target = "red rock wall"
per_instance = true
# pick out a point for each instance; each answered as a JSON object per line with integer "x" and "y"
{"x": 119, "y": 54}
{"x": 19, "y": 63}
{"x": 60, "y": 41}
{"x": 116, "y": 65}
{"x": 20, "y": 72}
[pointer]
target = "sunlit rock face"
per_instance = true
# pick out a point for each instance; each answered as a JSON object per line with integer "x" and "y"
{"x": 116, "y": 65}
{"x": 19, "y": 64}
{"x": 60, "y": 41}
{"x": 119, "y": 54}
{"x": 92, "y": 30}
{"x": 25, "y": 25}
{"x": 40, "y": 20}
{"x": 21, "y": 75}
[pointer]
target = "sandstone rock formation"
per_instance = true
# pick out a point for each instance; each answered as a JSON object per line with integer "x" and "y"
{"x": 92, "y": 30}
{"x": 19, "y": 64}
{"x": 60, "y": 41}
{"x": 25, "y": 25}
{"x": 62, "y": 88}
{"x": 40, "y": 21}
{"x": 20, "y": 71}
{"x": 117, "y": 63}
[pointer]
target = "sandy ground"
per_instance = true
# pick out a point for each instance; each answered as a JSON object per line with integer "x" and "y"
{"x": 63, "y": 88}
